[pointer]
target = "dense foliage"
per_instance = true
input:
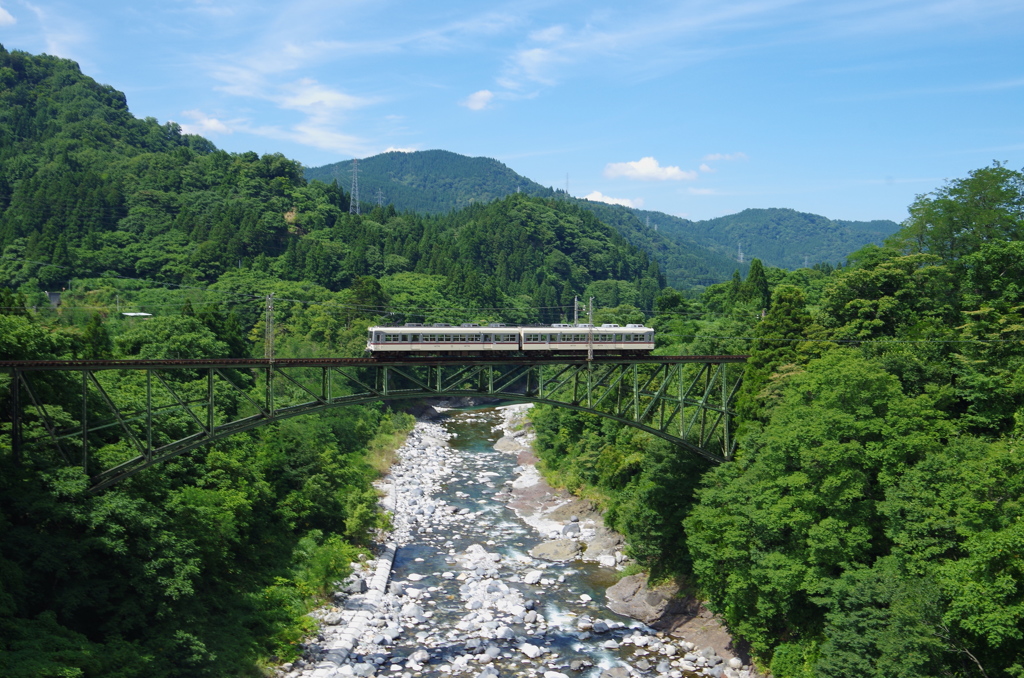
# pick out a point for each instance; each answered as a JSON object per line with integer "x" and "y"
{"x": 207, "y": 564}
{"x": 690, "y": 254}
{"x": 429, "y": 182}
{"x": 872, "y": 523}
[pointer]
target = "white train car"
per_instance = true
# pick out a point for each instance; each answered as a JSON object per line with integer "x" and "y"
{"x": 418, "y": 338}
{"x": 630, "y": 339}
{"x": 415, "y": 339}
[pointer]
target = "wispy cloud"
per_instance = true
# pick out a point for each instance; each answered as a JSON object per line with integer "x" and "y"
{"x": 61, "y": 34}
{"x": 478, "y": 101}
{"x": 324, "y": 107}
{"x": 203, "y": 124}
{"x": 647, "y": 169}
{"x": 6, "y": 19}
{"x": 598, "y": 196}
{"x": 917, "y": 92}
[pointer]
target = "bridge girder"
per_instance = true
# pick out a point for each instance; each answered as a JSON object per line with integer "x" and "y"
{"x": 171, "y": 407}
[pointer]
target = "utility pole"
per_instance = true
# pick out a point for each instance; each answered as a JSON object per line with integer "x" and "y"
{"x": 575, "y": 310}
{"x": 268, "y": 333}
{"x": 590, "y": 330}
{"x": 353, "y": 204}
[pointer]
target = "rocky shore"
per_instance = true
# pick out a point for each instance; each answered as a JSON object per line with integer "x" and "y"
{"x": 548, "y": 509}
{"x": 460, "y": 589}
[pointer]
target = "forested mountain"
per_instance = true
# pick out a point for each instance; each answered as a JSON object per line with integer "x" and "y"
{"x": 783, "y": 237}
{"x": 428, "y": 182}
{"x": 207, "y": 565}
{"x": 872, "y": 522}
{"x": 689, "y": 253}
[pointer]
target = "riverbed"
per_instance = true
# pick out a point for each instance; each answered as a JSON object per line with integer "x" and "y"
{"x": 456, "y": 591}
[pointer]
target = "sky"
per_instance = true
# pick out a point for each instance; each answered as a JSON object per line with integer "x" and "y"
{"x": 698, "y": 108}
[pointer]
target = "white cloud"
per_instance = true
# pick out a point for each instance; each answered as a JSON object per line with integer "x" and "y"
{"x": 704, "y": 167}
{"x": 478, "y": 101}
{"x": 598, "y": 196}
{"x": 6, "y": 19}
{"x": 534, "y": 64}
{"x": 61, "y": 33}
{"x": 725, "y": 156}
{"x": 647, "y": 169}
{"x": 315, "y": 135}
{"x": 323, "y": 106}
{"x": 203, "y": 124}
{"x": 311, "y": 97}
{"x": 395, "y": 149}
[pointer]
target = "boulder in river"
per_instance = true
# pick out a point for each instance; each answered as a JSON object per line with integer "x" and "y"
{"x": 631, "y": 597}
{"x": 557, "y": 550}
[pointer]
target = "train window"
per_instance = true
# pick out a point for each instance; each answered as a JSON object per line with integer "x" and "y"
{"x": 618, "y": 337}
{"x": 405, "y": 337}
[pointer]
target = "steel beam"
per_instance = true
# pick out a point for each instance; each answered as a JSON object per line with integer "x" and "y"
{"x": 684, "y": 399}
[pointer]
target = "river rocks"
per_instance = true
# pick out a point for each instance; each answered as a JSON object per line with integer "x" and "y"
{"x": 557, "y": 550}
{"x": 470, "y": 597}
{"x": 631, "y": 597}
{"x": 532, "y": 577}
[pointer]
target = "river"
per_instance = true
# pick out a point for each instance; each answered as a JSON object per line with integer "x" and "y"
{"x": 458, "y": 593}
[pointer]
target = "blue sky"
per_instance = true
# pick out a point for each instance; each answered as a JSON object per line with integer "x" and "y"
{"x": 697, "y": 108}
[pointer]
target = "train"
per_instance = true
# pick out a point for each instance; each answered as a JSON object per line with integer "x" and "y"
{"x": 470, "y": 339}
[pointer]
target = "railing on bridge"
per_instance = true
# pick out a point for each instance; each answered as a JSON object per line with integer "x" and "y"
{"x": 116, "y": 418}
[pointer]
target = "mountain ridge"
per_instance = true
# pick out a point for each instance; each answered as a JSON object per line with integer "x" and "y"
{"x": 691, "y": 253}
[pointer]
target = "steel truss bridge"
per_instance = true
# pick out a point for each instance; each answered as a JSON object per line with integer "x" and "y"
{"x": 116, "y": 418}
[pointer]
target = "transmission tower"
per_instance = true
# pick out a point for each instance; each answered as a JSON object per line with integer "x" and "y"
{"x": 380, "y": 198}
{"x": 353, "y": 205}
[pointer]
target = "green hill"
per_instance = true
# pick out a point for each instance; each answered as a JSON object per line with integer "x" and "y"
{"x": 690, "y": 253}
{"x": 783, "y": 237}
{"x": 429, "y": 182}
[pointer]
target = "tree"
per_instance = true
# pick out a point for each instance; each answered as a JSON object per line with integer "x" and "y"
{"x": 956, "y": 219}
{"x": 777, "y": 344}
{"x": 756, "y": 285}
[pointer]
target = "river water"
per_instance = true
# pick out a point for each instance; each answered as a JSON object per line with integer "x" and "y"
{"x": 465, "y": 597}
{"x": 478, "y": 474}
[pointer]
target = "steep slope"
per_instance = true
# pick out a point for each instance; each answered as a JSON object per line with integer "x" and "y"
{"x": 689, "y": 253}
{"x": 784, "y": 237}
{"x": 429, "y": 182}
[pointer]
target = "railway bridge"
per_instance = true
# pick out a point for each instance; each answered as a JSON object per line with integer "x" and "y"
{"x": 163, "y": 408}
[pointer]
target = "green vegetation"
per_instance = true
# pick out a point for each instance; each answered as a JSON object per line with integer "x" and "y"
{"x": 690, "y": 254}
{"x": 429, "y": 182}
{"x": 872, "y": 522}
{"x": 207, "y": 565}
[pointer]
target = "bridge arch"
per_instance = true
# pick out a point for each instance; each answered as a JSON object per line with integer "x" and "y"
{"x": 686, "y": 400}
